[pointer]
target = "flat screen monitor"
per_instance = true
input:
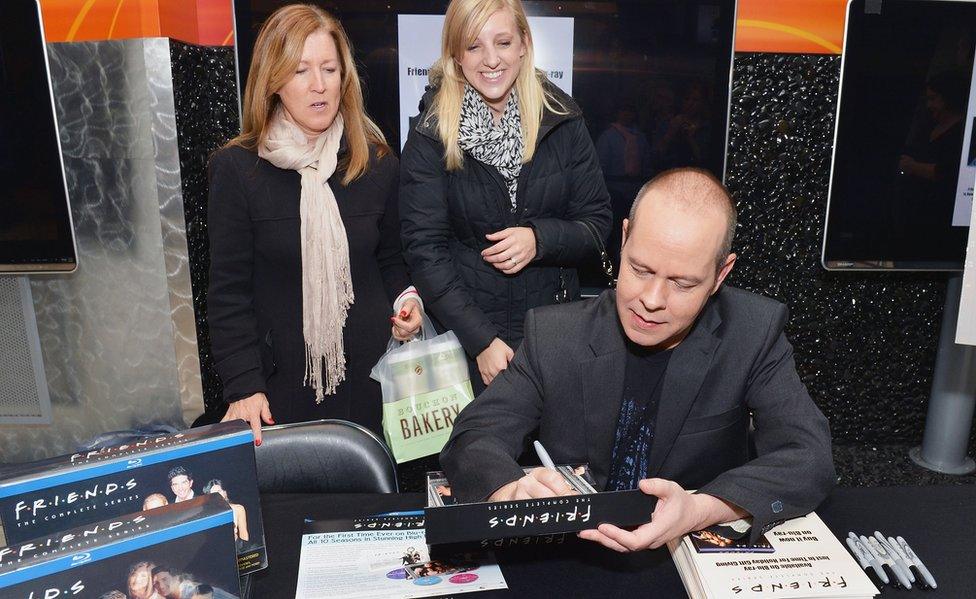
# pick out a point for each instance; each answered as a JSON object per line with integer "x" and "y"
{"x": 651, "y": 76}
{"x": 901, "y": 186}
{"x": 35, "y": 221}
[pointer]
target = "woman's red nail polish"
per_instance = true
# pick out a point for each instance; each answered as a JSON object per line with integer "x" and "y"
{"x": 393, "y": 319}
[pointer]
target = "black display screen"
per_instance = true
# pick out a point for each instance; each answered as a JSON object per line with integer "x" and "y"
{"x": 35, "y": 227}
{"x": 651, "y": 76}
{"x": 901, "y": 183}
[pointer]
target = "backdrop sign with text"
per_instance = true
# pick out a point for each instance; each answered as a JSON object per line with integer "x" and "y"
{"x": 966, "y": 325}
{"x": 967, "y": 163}
{"x": 419, "y": 46}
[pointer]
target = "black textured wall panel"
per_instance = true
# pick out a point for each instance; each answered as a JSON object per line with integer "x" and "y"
{"x": 864, "y": 342}
{"x": 205, "y": 90}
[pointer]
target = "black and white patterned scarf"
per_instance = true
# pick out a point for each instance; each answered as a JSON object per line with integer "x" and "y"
{"x": 500, "y": 146}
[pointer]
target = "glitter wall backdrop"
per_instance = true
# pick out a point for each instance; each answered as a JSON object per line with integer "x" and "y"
{"x": 205, "y": 92}
{"x": 865, "y": 342}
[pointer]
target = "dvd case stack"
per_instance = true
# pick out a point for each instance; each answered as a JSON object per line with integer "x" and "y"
{"x": 180, "y": 550}
{"x": 42, "y": 498}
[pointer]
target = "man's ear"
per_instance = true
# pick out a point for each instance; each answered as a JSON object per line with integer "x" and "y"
{"x": 724, "y": 271}
{"x": 623, "y": 235}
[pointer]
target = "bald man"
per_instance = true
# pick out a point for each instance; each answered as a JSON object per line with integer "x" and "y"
{"x": 653, "y": 385}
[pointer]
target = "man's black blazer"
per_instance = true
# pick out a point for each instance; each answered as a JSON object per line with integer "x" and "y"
{"x": 566, "y": 382}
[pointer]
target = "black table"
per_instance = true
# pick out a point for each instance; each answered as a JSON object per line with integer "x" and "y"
{"x": 938, "y": 521}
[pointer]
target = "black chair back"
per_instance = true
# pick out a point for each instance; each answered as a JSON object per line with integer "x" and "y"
{"x": 324, "y": 456}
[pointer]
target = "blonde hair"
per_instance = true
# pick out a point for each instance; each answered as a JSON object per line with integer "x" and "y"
{"x": 277, "y": 52}
{"x": 463, "y": 22}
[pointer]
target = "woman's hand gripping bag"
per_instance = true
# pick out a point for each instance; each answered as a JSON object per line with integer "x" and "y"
{"x": 425, "y": 385}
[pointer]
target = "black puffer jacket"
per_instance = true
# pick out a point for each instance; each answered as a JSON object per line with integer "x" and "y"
{"x": 446, "y": 215}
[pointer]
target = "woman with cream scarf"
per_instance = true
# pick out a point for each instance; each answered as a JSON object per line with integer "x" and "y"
{"x": 307, "y": 279}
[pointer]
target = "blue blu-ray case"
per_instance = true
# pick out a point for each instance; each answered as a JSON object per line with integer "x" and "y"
{"x": 187, "y": 546}
{"x": 39, "y": 499}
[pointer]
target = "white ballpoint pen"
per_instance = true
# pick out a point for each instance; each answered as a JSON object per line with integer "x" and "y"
{"x": 543, "y": 456}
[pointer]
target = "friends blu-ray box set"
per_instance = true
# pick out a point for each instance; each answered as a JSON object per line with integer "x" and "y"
{"x": 42, "y": 498}
{"x": 502, "y": 523}
{"x": 183, "y": 549}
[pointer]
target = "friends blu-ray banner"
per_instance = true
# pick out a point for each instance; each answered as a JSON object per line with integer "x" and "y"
{"x": 181, "y": 550}
{"x": 41, "y": 498}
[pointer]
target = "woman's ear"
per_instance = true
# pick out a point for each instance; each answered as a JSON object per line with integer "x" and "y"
{"x": 526, "y": 42}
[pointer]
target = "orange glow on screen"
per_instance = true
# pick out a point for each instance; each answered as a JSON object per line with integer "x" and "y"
{"x": 796, "y": 26}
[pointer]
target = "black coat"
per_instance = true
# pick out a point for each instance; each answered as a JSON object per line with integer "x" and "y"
{"x": 255, "y": 296}
{"x": 446, "y": 215}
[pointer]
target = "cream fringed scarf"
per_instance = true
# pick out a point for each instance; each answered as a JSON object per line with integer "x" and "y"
{"x": 326, "y": 282}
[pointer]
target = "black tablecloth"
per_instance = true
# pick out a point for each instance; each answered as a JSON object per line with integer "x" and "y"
{"x": 938, "y": 522}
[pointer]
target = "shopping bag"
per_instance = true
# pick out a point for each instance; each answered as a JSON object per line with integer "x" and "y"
{"x": 425, "y": 385}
